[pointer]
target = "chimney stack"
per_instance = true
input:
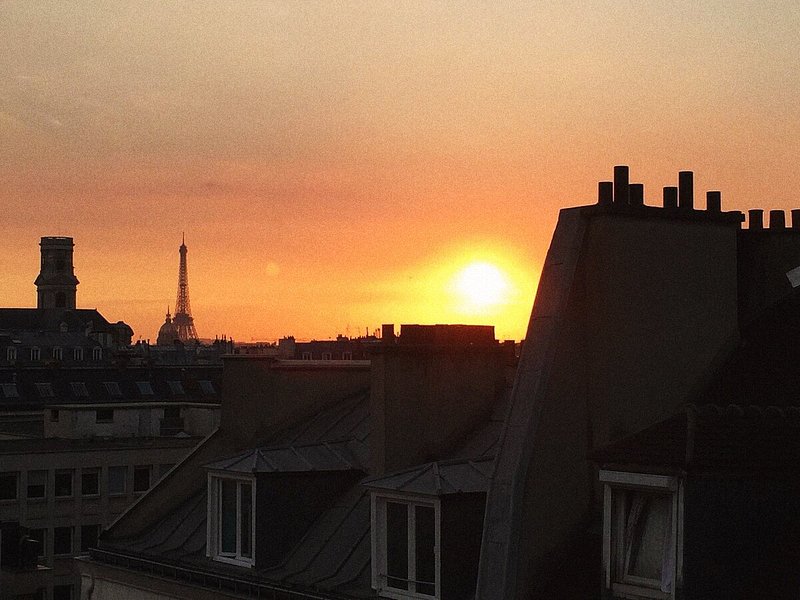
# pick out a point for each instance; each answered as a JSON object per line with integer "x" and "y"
{"x": 671, "y": 197}
{"x": 621, "y": 186}
{"x": 714, "y": 201}
{"x": 796, "y": 218}
{"x": 387, "y": 333}
{"x": 605, "y": 192}
{"x": 777, "y": 219}
{"x": 637, "y": 194}
{"x": 686, "y": 190}
{"x": 755, "y": 218}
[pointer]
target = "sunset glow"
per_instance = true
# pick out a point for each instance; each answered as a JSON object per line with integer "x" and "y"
{"x": 481, "y": 285}
{"x": 334, "y": 165}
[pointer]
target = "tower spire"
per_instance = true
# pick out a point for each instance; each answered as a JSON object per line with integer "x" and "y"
{"x": 182, "y": 319}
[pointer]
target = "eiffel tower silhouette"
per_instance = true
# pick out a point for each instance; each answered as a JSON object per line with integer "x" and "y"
{"x": 183, "y": 320}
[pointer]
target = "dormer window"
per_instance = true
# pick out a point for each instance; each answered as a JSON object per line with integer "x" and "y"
{"x": 405, "y": 546}
{"x": 176, "y": 388}
{"x": 97, "y": 353}
{"x": 77, "y": 353}
{"x": 9, "y": 390}
{"x": 11, "y": 353}
{"x": 231, "y": 519}
{"x": 36, "y": 353}
{"x": 642, "y": 534}
{"x": 45, "y": 390}
{"x": 58, "y": 353}
{"x": 113, "y": 389}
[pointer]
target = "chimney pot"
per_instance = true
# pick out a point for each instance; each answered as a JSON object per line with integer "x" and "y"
{"x": 796, "y": 218}
{"x": 605, "y": 192}
{"x": 686, "y": 190}
{"x": 714, "y": 202}
{"x": 671, "y": 197}
{"x": 777, "y": 219}
{"x": 621, "y": 187}
{"x": 637, "y": 194}
{"x": 755, "y": 218}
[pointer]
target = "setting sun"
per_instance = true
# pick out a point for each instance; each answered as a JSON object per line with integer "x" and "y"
{"x": 481, "y": 285}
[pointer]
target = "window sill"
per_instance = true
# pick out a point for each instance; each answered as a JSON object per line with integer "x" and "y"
{"x": 239, "y": 562}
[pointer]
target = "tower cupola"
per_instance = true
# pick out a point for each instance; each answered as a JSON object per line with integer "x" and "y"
{"x": 56, "y": 284}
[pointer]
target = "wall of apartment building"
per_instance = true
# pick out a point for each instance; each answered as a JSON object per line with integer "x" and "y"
{"x": 69, "y": 422}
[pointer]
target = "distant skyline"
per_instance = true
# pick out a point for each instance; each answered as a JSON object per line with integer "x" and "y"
{"x": 338, "y": 165}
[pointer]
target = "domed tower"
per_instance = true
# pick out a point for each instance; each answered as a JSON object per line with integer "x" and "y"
{"x": 168, "y": 332}
{"x": 56, "y": 284}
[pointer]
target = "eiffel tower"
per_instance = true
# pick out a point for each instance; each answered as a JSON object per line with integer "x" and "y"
{"x": 183, "y": 320}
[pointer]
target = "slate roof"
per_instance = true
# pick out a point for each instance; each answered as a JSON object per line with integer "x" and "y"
{"x": 19, "y": 319}
{"x": 438, "y": 478}
{"x": 342, "y": 455}
{"x": 711, "y": 437}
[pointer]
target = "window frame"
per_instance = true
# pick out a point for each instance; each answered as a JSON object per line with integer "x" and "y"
{"x": 100, "y": 415}
{"x": 615, "y": 484}
{"x": 15, "y": 475}
{"x": 62, "y": 473}
{"x": 44, "y": 389}
{"x": 10, "y": 389}
{"x": 214, "y": 519}
{"x": 77, "y": 353}
{"x": 57, "y": 353}
{"x": 89, "y": 472}
{"x": 11, "y": 353}
{"x": 378, "y": 502}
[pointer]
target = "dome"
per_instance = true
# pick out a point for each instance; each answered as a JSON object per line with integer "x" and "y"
{"x": 168, "y": 333}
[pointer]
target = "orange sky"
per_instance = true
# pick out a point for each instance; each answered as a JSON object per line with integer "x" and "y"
{"x": 335, "y": 164}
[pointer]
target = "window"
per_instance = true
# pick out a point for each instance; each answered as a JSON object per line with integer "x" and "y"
{"x": 63, "y": 484}
{"x": 141, "y": 478}
{"x": 642, "y": 534}
{"x": 78, "y": 389}
{"x": 405, "y": 543}
{"x": 145, "y": 389}
{"x": 326, "y": 356}
{"x": 89, "y": 535}
{"x": 306, "y": 355}
{"x": 37, "y": 484}
{"x": 62, "y": 540}
{"x": 11, "y": 353}
{"x": 104, "y": 415}
{"x": 112, "y": 387}
{"x": 54, "y": 415}
{"x": 206, "y": 387}
{"x": 77, "y": 353}
{"x": 117, "y": 480}
{"x": 347, "y": 356}
{"x": 63, "y": 592}
{"x": 176, "y": 388}
{"x": 40, "y": 536}
{"x": 58, "y": 353}
{"x": 45, "y": 390}
{"x": 8, "y": 486}
{"x": 90, "y": 482}
{"x": 97, "y": 353}
{"x": 231, "y": 520}
{"x": 35, "y": 353}
{"x": 10, "y": 390}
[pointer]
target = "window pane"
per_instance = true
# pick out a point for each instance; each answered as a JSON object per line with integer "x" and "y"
{"x": 227, "y": 516}
{"x": 397, "y": 545}
{"x": 90, "y": 483}
{"x": 116, "y": 479}
{"x": 37, "y": 484}
{"x": 63, "y": 483}
{"x": 89, "y": 534}
{"x": 647, "y": 534}
{"x": 245, "y": 504}
{"x": 8, "y": 486}
{"x": 141, "y": 479}
{"x": 62, "y": 540}
{"x": 424, "y": 542}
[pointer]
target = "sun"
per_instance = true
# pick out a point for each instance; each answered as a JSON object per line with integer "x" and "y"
{"x": 481, "y": 285}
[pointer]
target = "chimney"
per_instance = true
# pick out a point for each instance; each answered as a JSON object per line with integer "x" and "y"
{"x": 686, "y": 190}
{"x": 637, "y": 194}
{"x": 671, "y": 197}
{"x": 755, "y": 218}
{"x": 796, "y": 218}
{"x": 714, "y": 202}
{"x": 429, "y": 390}
{"x": 777, "y": 219}
{"x": 605, "y": 192}
{"x": 621, "y": 187}
{"x": 387, "y": 333}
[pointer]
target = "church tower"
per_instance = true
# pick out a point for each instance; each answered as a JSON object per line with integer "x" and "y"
{"x": 56, "y": 284}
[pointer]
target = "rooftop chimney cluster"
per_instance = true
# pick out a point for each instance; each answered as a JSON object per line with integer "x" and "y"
{"x": 680, "y": 200}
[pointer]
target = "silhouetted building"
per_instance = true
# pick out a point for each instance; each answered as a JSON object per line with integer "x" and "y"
{"x": 168, "y": 334}
{"x": 647, "y": 449}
